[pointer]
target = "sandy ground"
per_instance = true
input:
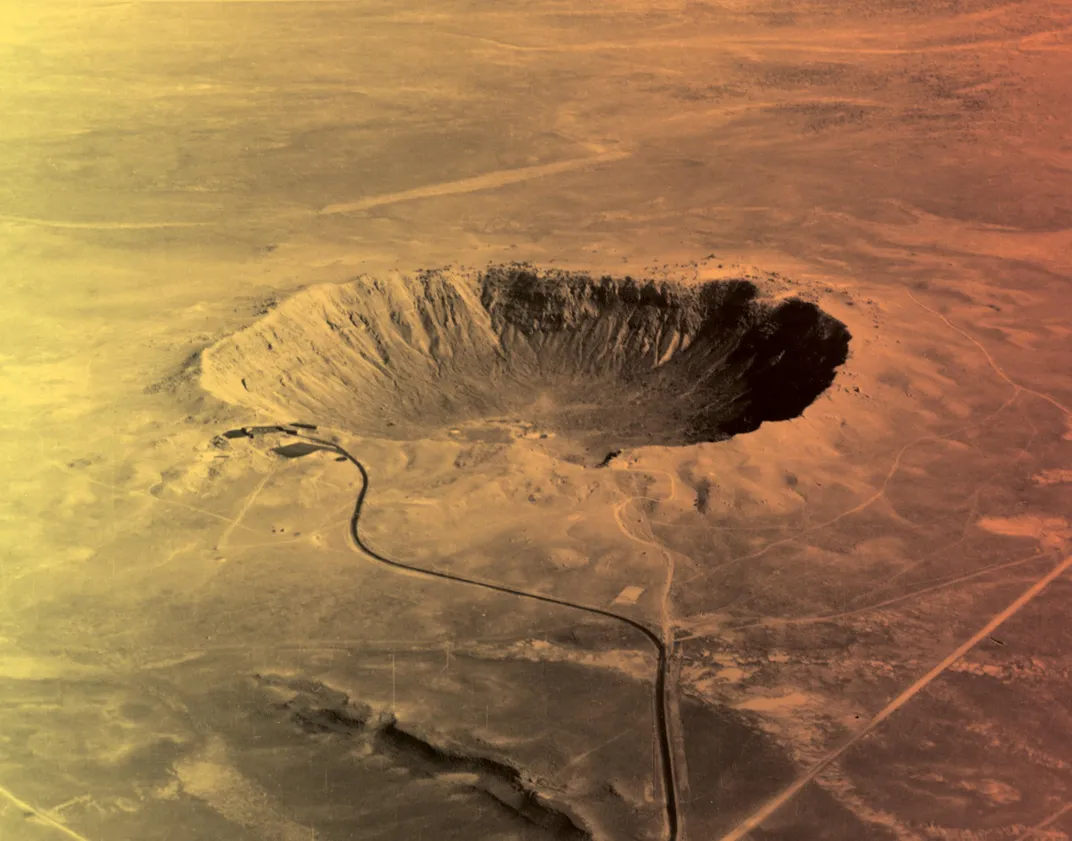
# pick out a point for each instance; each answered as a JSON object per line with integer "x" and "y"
{"x": 867, "y": 647}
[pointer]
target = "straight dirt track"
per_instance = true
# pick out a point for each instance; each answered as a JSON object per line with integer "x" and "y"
{"x": 767, "y": 809}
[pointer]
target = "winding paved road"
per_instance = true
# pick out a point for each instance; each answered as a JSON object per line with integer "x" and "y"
{"x": 661, "y": 688}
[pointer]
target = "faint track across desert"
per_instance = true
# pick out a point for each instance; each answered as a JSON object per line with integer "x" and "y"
{"x": 637, "y": 46}
{"x": 834, "y": 617}
{"x": 41, "y": 815}
{"x": 99, "y": 226}
{"x": 665, "y": 613}
{"x": 486, "y": 181}
{"x": 1034, "y": 831}
{"x": 767, "y": 809}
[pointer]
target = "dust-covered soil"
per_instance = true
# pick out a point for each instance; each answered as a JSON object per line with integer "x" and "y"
{"x": 744, "y": 321}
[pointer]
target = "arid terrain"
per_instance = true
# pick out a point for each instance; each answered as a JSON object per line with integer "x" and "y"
{"x": 536, "y": 420}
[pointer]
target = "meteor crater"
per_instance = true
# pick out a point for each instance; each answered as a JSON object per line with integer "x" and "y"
{"x": 588, "y": 364}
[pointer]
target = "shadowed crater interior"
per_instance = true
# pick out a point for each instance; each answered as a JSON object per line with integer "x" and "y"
{"x": 592, "y": 364}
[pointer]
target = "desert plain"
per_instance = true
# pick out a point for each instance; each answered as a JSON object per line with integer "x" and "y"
{"x": 712, "y": 357}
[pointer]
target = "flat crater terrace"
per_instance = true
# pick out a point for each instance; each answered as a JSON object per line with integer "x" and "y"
{"x": 587, "y": 364}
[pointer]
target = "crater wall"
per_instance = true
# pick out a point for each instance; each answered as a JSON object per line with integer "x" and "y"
{"x": 603, "y": 361}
